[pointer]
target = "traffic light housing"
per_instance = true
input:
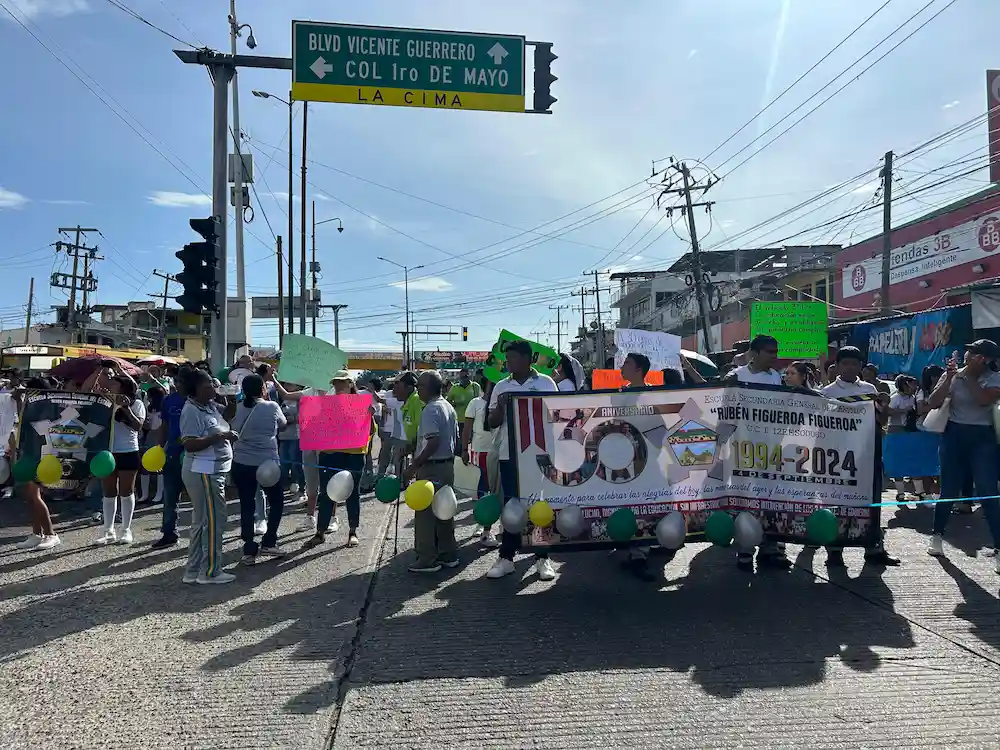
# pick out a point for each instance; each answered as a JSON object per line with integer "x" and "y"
{"x": 201, "y": 266}
{"x": 465, "y": 333}
{"x": 543, "y": 78}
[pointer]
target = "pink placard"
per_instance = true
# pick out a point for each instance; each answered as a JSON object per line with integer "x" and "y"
{"x": 333, "y": 423}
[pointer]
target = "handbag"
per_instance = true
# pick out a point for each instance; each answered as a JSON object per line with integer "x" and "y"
{"x": 937, "y": 419}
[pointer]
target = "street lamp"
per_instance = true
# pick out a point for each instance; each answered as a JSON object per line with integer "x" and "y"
{"x": 291, "y": 185}
{"x": 406, "y": 291}
{"x": 314, "y": 267}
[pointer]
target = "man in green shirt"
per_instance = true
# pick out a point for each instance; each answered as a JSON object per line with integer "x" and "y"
{"x": 461, "y": 394}
{"x": 405, "y": 391}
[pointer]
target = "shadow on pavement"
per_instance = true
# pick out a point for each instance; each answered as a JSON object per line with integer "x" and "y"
{"x": 966, "y": 531}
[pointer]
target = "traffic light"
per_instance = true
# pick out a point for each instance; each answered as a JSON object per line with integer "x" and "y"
{"x": 543, "y": 99}
{"x": 199, "y": 277}
{"x": 465, "y": 333}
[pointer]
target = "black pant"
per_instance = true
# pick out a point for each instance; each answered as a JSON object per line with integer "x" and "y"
{"x": 245, "y": 479}
{"x": 510, "y": 543}
{"x": 330, "y": 464}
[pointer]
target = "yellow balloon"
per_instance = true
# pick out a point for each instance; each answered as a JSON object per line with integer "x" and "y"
{"x": 541, "y": 514}
{"x": 420, "y": 495}
{"x": 49, "y": 470}
{"x": 154, "y": 459}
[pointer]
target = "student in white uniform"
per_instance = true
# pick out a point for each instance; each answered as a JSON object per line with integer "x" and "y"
{"x": 760, "y": 370}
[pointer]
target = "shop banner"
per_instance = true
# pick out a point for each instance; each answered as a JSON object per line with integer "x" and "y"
{"x": 776, "y": 454}
{"x": 908, "y": 345}
{"x": 73, "y": 427}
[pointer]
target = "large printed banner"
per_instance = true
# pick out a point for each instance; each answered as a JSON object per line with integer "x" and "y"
{"x": 71, "y": 426}
{"x": 777, "y": 454}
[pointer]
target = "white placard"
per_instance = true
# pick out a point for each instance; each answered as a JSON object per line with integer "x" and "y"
{"x": 663, "y": 349}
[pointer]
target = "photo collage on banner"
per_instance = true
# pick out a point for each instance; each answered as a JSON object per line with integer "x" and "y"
{"x": 775, "y": 454}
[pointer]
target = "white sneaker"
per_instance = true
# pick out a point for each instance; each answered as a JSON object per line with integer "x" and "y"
{"x": 334, "y": 526}
{"x": 545, "y": 570}
{"x": 271, "y": 552}
{"x": 97, "y": 517}
{"x": 108, "y": 537}
{"x": 308, "y": 523}
{"x": 936, "y": 546}
{"x": 488, "y": 540}
{"x": 293, "y": 488}
{"x": 502, "y": 567}
{"x": 989, "y": 552}
{"x": 260, "y": 528}
{"x": 125, "y": 537}
{"x": 29, "y": 542}
{"x": 217, "y": 578}
{"x": 190, "y": 578}
{"x": 48, "y": 542}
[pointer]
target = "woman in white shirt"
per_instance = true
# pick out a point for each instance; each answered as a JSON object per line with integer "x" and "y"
{"x": 568, "y": 374}
{"x": 477, "y": 442}
{"x": 928, "y": 486}
{"x": 120, "y": 485}
{"x": 900, "y": 426}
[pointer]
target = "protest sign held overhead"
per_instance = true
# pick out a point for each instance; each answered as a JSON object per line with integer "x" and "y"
{"x": 799, "y": 327}
{"x": 336, "y": 422}
{"x": 310, "y": 361}
{"x": 663, "y": 349}
{"x": 495, "y": 368}
{"x": 775, "y": 455}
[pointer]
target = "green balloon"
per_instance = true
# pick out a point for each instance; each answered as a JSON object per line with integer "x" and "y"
{"x": 719, "y": 528}
{"x": 102, "y": 464}
{"x": 822, "y": 527}
{"x": 487, "y": 510}
{"x": 621, "y": 525}
{"x": 24, "y": 469}
{"x": 388, "y": 488}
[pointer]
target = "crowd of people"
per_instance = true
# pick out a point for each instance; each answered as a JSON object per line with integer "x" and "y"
{"x": 219, "y": 432}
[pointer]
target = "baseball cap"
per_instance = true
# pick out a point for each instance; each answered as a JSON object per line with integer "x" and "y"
{"x": 985, "y": 347}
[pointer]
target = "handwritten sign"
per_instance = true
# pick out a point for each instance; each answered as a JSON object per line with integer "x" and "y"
{"x": 544, "y": 358}
{"x": 799, "y": 327}
{"x": 663, "y": 349}
{"x": 310, "y": 361}
{"x": 604, "y": 380}
{"x": 334, "y": 423}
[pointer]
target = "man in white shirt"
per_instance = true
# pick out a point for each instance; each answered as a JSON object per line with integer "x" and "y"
{"x": 522, "y": 378}
{"x": 848, "y": 384}
{"x": 760, "y": 371}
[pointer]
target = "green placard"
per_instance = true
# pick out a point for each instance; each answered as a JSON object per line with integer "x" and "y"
{"x": 495, "y": 368}
{"x": 799, "y": 327}
{"x": 309, "y": 361}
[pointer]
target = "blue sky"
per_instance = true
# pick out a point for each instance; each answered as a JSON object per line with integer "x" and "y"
{"x": 642, "y": 82}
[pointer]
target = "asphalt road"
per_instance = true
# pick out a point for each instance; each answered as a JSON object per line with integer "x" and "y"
{"x": 105, "y": 648}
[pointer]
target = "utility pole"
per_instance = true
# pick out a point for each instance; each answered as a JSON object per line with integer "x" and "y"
{"x": 167, "y": 278}
{"x": 87, "y": 283}
{"x": 596, "y": 291}
{"x": 234, "y": 33}
{"x": 558, "y": 323}
{"x": 336, "y": 321}
{"x": 281, "y": 307}
{"x": 302, "y": 228}
{"x": 314, "y": 265}
{"x": 406, "y": 291}
{"x": 537, "y": 335}
{"x": 27, "y": 317}
{"x": 699, "y": 277}
{"x": 886, "y": 231}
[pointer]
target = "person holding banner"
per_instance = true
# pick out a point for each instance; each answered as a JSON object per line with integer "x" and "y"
{"x": 332, "y": 462}
{"x": 522, "y": 377}
{"x": 309, "y": 460}
{"x": 258, "y": 422}
{"x": 849, "y": 385}
{"x": 434, "y": 460}
{"x": 477, "y": 442}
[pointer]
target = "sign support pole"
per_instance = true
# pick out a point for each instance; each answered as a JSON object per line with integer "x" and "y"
{"x": 221, "y": 73}
{"x": 886, "y": 232}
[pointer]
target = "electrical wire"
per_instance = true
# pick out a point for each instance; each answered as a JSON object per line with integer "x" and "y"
{"x": 125, "y": 9}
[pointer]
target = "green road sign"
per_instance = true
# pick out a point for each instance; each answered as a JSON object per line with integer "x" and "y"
{"x": 336, "y": 62}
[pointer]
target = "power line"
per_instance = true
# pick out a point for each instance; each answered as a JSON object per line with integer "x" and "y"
{"x": 125, "y": 9}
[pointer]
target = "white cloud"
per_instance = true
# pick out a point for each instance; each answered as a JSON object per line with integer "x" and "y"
{"x": 168, "y": 199}
{"x": 35, "y": 8}
{"x": 426, "y": 284}
{"x": 949, "y": 105}
{"x": 10, "y": 199}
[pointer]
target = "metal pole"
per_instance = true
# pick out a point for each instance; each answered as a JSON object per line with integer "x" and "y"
{"x": 314, "y": 268}
{"x": 699, "y": 281}
{"x": 601, "y": 353}
{"x": 163, "y": 314}
{"x": 71, "y": 313}
{"x": 302, "y": 228}
{"x": 336, "y": 325}
{"x": 281, "y": 305}
{"x": 83, "y": 307}
{"x": 238, "y": 172}
{"x": 27, "y": 318}
{"x": 291, "y": 214}
{"x": 406, "y": 341}
{"x": 886, "y": 232}
{"x": 221, "y": 72}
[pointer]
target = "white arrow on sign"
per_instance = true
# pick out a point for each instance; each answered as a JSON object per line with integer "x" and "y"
{"x": 497, "y": 52}
{"x": 321, "y": 67}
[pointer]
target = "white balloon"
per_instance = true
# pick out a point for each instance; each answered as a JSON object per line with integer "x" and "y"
{"x": 747, "y": 531}
{"x": 671, "y": 530}
{"x": 514, "y": 517}
{"x": 445, "y": 504}
{"x": 268, "y": 473}
{"x": 569, "y": 521}
{"x": 340, "y": 486}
